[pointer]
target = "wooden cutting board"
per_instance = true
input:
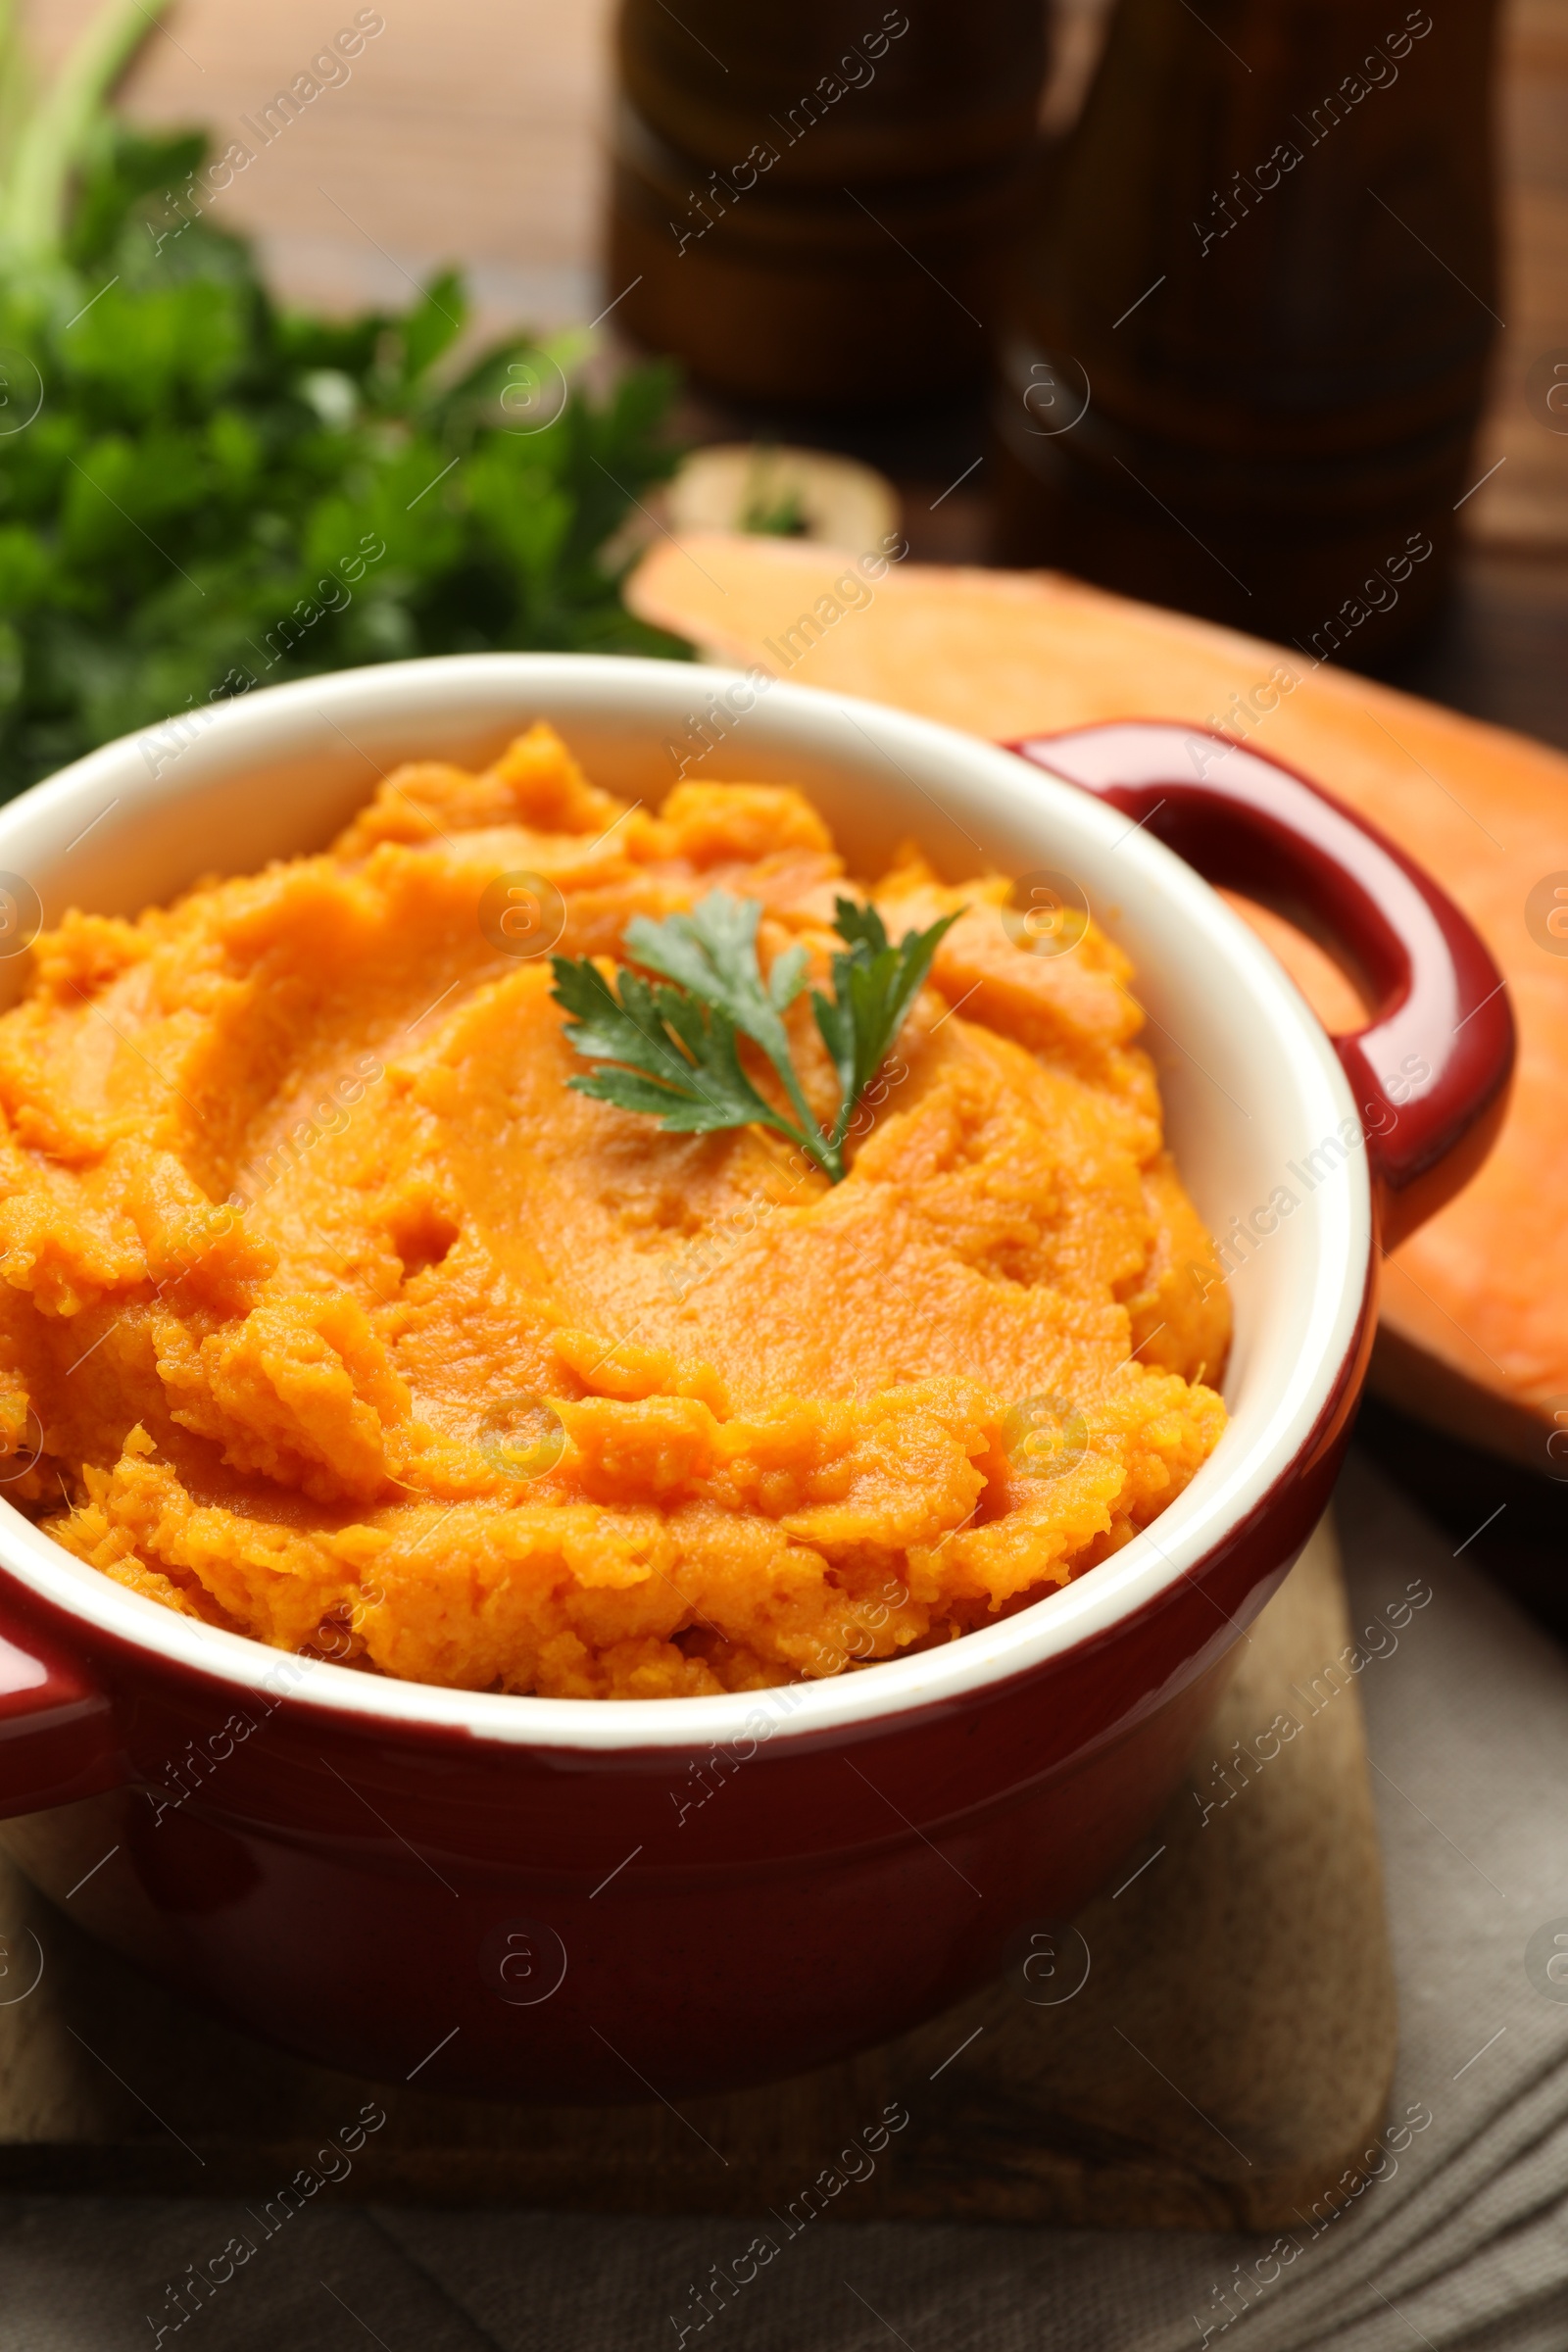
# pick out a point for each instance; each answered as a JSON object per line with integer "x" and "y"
{"x": 1209, "y": 2047}
{"x": 1473, "y": 1333}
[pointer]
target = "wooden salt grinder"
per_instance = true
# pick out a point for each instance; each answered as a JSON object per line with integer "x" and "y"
{"x": 1248, "y": 330}
{"x": 808, "y": 204}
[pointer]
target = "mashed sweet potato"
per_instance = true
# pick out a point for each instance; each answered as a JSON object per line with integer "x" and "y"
{"x": 330, "y": 1315}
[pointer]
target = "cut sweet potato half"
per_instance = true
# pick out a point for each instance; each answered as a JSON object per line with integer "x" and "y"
{"x": 1474, "y": 1322}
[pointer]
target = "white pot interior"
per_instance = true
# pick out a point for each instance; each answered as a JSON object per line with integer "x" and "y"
{"x": 1251, "y": 1085}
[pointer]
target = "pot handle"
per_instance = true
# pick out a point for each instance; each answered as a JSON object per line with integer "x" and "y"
{"x": 1430, "y": 1071}
{"x": 57, "y": 1734}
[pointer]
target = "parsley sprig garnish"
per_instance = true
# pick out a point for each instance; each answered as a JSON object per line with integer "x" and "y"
{"x": 670, "y": 1048}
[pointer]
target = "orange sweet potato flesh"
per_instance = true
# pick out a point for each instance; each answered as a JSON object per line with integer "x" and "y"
{"x": 1473, "y": 1329}
{"x": 332, "y": 1313}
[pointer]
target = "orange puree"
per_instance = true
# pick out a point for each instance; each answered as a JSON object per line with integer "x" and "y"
{"x": 332, "y": 1315}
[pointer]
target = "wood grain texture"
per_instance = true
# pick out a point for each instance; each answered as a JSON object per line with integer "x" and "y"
{"x": 473, "y": 130}
{"x": 469, "y": 131}
{"x": 1525, "y": 504}
{"x": 1225, "y": 2062}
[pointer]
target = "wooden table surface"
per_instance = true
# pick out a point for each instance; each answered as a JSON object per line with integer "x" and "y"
{"x": 473, "y": 129}
{"x": 469, "y": 130}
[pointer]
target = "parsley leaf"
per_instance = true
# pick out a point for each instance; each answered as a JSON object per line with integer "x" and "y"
{"x": 671, "y": 1050}
{"x": 203, "y": 490}
{"x": 874, "y": 984}
{"x": 660, "y": 1051}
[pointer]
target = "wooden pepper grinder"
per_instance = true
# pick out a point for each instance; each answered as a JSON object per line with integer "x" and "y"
{"x": 1248, "y": 330}
{"x": 808, "y": 205}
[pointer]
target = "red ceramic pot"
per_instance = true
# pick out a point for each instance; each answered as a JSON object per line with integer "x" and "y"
{"x": 561, "y": 1901}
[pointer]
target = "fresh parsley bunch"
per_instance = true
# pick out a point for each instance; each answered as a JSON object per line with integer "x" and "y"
{"x": 672, "y": 1051}
{"x": 200, "y": 491}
